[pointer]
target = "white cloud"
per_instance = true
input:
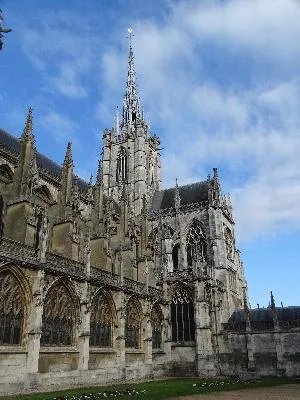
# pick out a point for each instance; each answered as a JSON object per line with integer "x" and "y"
{"x": 61, "y": 48}
{"x": 61, "y": 127}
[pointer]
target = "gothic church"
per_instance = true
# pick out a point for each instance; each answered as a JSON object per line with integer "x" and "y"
{"x": 122, "y": 279}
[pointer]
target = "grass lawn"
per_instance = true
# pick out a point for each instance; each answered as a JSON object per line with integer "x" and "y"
{"x": 153, "y": 390}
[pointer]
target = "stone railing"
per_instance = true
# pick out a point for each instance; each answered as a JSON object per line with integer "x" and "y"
{"x": 134, "y": 286}
{"x": 105, "y": 277}
{"x": 289, "y": 324}
{"x": 180, "y": 275}
{"x": 17, "y": 251}
{"x": 65, "y": 265}
{"x": 154, "y": 292}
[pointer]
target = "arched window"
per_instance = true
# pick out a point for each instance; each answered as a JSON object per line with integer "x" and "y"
{"x": 175, "y": 256}
{"x": 6, "y": 173}
{"x": 133, "y": 324}
{"x": 196, "y": 247}
{"x": 156, "y": 323}
{"x": 122, "y": 166}
{"x": 101, "y": 322}
{"x": 182, "y": 316}
{"x": 58, "y": 317}
{"x": 11, "y": 310}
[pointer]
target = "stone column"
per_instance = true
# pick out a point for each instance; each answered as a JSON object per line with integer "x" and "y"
{"x": 35, "y": 323}
{"x": 148, "y": 337}
{"x": 120, "y": 333}
{"x": 205, "y": 357}
{"x": 84, "y": 329}
{"x": 281, "y": 366}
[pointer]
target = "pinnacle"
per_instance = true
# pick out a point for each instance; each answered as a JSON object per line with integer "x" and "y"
{"x": 68, "y": 157}
{"x": 131, "y": 103}
{"x": 27, "y": 134}
{"x": 99, "y": 173}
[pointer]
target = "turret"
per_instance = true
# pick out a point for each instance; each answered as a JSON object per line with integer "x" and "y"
{"x": 66, "y": 181}
{"x": 27, "y": 159}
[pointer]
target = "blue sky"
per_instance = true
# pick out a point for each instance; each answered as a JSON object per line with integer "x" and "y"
{"x": 219, "y": 83}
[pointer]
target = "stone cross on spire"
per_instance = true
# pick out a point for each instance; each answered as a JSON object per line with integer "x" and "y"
{"x": 131, "y": 104}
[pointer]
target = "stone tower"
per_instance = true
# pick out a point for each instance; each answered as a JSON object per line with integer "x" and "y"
{"x": 131, "y": 158}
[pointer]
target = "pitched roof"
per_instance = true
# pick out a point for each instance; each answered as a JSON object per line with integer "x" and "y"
{"x": 189, "y": 194}
{"x": 264, "y": 317}
{"x": 12, "y": 145}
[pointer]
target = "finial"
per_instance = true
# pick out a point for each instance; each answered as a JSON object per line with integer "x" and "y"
{"x": 68, "y": 157}
{"x": 117, "y": 122}
{"x": 272, "y": 301}
{"x": 27, "y": 134}
{"x": 177, "y": 196}
{"x": 130, "y": 35}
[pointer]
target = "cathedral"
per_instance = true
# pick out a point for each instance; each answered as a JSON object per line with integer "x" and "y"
{"x": 121, "y": 279}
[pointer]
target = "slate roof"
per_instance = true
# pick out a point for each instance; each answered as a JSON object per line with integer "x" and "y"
{"x": 12, "y": 145}
{"x": 193, "y": 193}
{"x": 265, "y": 315}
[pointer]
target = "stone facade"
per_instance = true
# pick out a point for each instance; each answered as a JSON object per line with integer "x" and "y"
{"x": 119, "y": 279}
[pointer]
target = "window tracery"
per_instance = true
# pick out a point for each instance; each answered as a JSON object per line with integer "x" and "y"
{"x": 101, "y": 322}
{"x": 11, "y": 310}
{"x": 122, "y": 166}
{"x": 182, "y": 316}
{"x": 196, "y": 246}
{"x": 133, "y": 324}
{"x": 58, "y": 317}
{"x": 156, "y": 323}
{"x": 229, "y": 241}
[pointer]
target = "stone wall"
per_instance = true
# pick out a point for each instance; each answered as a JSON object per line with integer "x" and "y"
{"x": 275, "y": 353}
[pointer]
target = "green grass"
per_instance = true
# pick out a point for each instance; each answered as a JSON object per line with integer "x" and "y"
{"x": 154, "y": 390}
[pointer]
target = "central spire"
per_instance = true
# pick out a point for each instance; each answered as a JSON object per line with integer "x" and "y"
{"x": 131, "y": 104}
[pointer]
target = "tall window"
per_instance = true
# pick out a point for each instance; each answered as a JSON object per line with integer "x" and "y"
{"x": 122, "y": 166}
{"x": 195, "y": 245}
{"x": 101, "y": 322}
{"x": 133, "y": 324}
{"x": 182, "y": 317}
{"x": 58, "y": 317}
{"x": 11, "y": 310}
{"x": 175, "y": 256}
{"x": 156, "y": 322}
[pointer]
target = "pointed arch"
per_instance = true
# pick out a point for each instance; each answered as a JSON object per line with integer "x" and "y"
{"x": 6, "y": 173}
{"x": 196, "y": 245}
{"x": 14, "y": 291}
{"x": 59, "y": 315}
{"x": 156, "y": 323}
{"x": 182, "y": 314}
{"x": 133, "y": 312}
{"x": 103, "y": 316}
{"x": 44, "y": 193}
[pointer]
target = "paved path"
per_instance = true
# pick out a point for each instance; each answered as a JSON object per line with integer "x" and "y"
{"x": 283, "y": 392}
